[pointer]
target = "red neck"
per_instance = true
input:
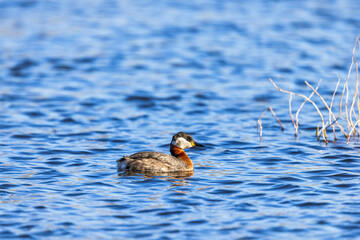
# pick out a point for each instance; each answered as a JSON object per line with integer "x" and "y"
{"x": 180, "y": 154}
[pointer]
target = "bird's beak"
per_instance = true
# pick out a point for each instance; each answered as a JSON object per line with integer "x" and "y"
{"x": 196, "y": 144}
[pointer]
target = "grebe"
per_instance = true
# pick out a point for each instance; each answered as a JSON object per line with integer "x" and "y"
{"x": 156, "y": 162}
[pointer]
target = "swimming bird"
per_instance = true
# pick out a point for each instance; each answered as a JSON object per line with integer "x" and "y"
{"x": 157, "y": 162}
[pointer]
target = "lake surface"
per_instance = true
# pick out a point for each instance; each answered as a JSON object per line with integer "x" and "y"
{"x": 83, "y": 83}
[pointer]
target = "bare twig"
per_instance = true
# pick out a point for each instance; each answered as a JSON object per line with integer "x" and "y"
{"x": 307, "y": 99}
{"x": 347, "y": 96}
{"x": 326, "y": 105}
{"x": 357, "y": 85}
{"x": 292, "y": 117}
{"x": 351, "y": 105}
{"x": 259, "y": 120}
{"x": 282, "y": 127}
{"x": 303, "y": 103}
{"x": 332, "y": 101}
{"x": 357, "y": 122}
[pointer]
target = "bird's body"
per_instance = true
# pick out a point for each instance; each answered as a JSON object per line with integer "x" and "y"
{"x": 153, "y": 162}
{"x": 156, "y": 162}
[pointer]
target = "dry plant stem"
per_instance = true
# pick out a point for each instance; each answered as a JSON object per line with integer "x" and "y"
{"x": 358, "y": 106}
{"x": 307, "y": 99}
{"x": 331, "y": 104}
{"x": 357, "y": 122}
{"x": 353, "y": 111}
{"x": 342, "y": 95}
{"x": 346, "y": 87}
{"x": 356, "y": 89}
{"x": 357, "y": 81}
{"x": 292, "y": 117}
{"x": 326, "y": 105}
{"x": 349, "y": 123}
{"x": 303, "y": 103}
{"x": 348, "y": 119}
{"x": 352, "y": 104}
{"x": 259, "y": 120}
{"x": 259, "y": 123}
{"x": 282, "y": 127}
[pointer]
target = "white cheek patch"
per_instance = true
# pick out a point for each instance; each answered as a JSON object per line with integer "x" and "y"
{"x": 181, "y": 143}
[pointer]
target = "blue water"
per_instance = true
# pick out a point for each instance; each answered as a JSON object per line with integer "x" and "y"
{"x": 86, "y": 82}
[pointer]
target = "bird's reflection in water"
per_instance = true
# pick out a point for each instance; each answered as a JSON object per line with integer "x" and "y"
{"x": 177, "y": 178}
